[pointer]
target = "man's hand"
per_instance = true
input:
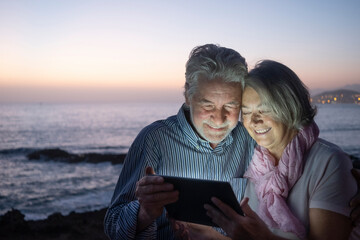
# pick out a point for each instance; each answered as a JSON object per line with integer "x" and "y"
{"x": 153, "y": 194}
{"x": 355, "y": 202}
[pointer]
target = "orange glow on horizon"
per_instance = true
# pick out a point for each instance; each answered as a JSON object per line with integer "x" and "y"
{"x": 69, "y": 62}
{"x": 92, "y": 82}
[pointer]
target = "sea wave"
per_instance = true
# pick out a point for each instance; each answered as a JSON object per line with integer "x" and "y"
{"x": 340, "y": 129}
{"x": 17, "y": 151}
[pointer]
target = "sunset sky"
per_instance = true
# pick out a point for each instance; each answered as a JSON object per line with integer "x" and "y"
{"x": 64, "y": 51}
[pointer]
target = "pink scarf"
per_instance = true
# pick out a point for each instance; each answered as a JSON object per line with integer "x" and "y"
{"x": 273, "y": 183}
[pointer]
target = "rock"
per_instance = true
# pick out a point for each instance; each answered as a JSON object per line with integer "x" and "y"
{"x": 13, "y": 221}
{"x": 88, "y": 225}
{"x": 97, "y": 158}
{"x": 54, "y": 153}
{"x": 57, "y": 154}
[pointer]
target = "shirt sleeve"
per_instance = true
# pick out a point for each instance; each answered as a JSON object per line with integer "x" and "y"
{"x": 121, "y": 218}
{"x": 335, "y": 185}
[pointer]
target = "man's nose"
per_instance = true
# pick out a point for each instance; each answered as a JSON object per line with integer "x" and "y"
{"x": 218, "y": 116}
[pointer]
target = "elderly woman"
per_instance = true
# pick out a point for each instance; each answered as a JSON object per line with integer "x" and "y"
{"x": 299, "y": 186}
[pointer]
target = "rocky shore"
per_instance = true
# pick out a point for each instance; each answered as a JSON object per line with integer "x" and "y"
{"x": 88, "y": 225}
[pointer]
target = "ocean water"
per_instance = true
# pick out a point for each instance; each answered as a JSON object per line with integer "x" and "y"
{"x": 339, "y": 124}
{"x": 40, "y": 188}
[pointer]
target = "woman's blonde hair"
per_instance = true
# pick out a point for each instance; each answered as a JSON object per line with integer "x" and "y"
{"x": 283, "y": 93}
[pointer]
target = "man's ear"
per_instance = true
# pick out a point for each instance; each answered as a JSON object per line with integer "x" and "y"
{"x": 187, "y": 101}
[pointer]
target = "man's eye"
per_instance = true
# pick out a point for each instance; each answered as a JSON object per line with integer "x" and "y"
{"x": 230, "y": 107}
{"x": 208, "y": 107}
{"x": 245, "y": 113}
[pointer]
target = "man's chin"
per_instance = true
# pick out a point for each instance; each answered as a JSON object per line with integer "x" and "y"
{"x": 216, "y": 140}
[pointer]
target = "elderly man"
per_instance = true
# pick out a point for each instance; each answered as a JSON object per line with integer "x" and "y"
{"x": 204, "y": 140}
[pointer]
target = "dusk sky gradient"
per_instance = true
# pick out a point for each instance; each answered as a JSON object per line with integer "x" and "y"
{"x": 69, "y": 51}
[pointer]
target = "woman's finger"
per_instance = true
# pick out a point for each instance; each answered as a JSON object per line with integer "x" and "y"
{"x": 226, "y": 209}
{"x": 216, "y": 216}
{"x": 244, "y": 204}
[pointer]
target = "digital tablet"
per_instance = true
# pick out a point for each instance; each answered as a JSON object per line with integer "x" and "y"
{"x": 193, "y": 194}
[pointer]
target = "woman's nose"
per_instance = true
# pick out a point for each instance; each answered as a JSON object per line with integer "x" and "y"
{"x": 256, "y": 118}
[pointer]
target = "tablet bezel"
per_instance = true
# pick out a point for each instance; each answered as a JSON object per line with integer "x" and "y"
{"x": 194, "y": 193}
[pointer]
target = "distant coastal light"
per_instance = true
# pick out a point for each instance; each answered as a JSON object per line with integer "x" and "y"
{"x": 337, "y": 96}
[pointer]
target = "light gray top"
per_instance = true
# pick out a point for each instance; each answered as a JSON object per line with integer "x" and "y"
{"x": 326, "y": 183}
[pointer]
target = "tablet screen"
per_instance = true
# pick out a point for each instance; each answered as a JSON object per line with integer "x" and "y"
{"x": 193, "y": 194}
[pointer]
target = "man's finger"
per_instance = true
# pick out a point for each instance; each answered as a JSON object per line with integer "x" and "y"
{"x": 148, "y": 180}
{"x": 149, "y": 171}
{"x": 161, "y": 198}
{"x": 153, "y": 189}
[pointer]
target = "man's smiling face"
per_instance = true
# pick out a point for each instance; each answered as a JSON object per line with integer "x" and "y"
{"x": 214, "y": 109}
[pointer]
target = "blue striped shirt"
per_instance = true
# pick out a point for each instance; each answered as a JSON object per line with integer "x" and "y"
{"x": 171, "y": 147}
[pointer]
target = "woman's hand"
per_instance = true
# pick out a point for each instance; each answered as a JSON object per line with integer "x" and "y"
{"x": 236, "y": 226}
{"x": 180, "y": 229}
{"x": 192, "y": 231}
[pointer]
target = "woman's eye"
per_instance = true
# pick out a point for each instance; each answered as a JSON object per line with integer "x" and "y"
{"x": 245, "y": 113}
{"x": 264, "y": 111}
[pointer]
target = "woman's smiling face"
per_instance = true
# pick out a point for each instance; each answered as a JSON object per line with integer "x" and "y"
{"x": 260, "y": 124}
